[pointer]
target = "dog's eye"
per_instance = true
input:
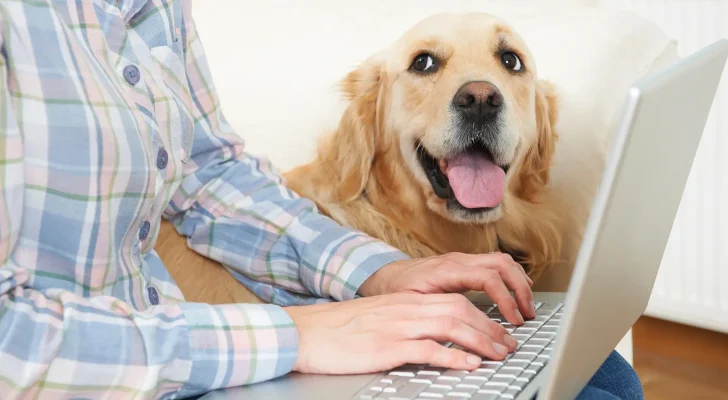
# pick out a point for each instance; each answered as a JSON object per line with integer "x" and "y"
{"x": 511, "y": 61}
{"x": 424, "y": 63}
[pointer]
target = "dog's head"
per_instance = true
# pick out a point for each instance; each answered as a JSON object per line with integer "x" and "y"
{"x": 458, "y": 98}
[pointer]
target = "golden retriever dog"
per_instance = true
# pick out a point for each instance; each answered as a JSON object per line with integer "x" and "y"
{"x": 445, "y": 146}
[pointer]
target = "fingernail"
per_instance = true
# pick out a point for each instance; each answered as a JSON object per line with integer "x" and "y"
{"x": 519, "y": 317}
{"x": 510, "y": 341}
{"x": 473, "y": 360}
{"x": 500, "y": 349}
{"x": 533, "y": 308}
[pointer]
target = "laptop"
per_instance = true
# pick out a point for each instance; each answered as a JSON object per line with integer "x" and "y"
{"x": 652, "y": 153}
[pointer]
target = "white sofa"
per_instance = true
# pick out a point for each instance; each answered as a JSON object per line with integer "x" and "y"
{"x": 276, "y": 64}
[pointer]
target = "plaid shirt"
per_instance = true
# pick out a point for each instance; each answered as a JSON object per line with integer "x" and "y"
{"x": 109, "y": 121}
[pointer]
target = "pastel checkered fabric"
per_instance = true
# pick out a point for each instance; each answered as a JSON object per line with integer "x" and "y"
{"x": 109, "y": 121}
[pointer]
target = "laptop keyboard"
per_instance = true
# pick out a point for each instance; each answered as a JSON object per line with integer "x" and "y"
{"x": 493, "y": 380}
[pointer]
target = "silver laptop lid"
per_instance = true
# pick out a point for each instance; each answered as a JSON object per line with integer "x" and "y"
{"x": 642, "y": 185}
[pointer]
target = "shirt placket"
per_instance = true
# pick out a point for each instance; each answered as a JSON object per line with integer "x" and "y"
{"x": 137, "y": 74}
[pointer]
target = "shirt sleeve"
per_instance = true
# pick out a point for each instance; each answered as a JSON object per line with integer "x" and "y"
{"x": 57, "y": 344}
{"x": 234, "y": 208}
{"x": 63, "y": 344}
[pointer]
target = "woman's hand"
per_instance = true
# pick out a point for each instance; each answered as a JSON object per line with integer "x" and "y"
{"x": 493, "y": 274}
{"x": 373, "y": 334}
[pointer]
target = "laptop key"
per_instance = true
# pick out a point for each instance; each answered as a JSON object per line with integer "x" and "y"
{"x": 491, "y": 385}
{"x": 487, "y": 394}
{"x": 520, "y": 337}
{"x": 407, "y": 372}
{"x": 455, "y": 374}
{"x": 476, "y": 378}
{"x": 491, "y": 364}
{"x": 525, "y": 331}
{"x": 528, "y": 374}
{"x": 534, "y": 367}
{"x": 524, "y": 355}
{"x": 408, "y": 391}
{"x": 518, "y": 384}
{"x": 544, "y": 335}
{"x": 431, "y": 371}
{"x": 487, "y": 368}
{"x": 463, "y": 391}
{"x": 510, "y": 393}
{"x": 532, "y": 347}
{"x": 369, "y": 394}
{"x": 396, "y": 385}
{"x": 502, "y": 378}
{"x": 518, "y": 363}
{"x": 508, "y": 325}
{"x": 478, "y": 373}
{"x": 512, "y": 369}
{"x": 537, "y": 342}
{"x": 436, "y": 391}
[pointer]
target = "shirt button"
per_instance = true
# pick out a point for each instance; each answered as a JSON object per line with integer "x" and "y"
{"x": 162, "y": 158}
{"x": 132, "y": 74}
{"x": 153, "y": 295}
{"x": 144, "y": 230}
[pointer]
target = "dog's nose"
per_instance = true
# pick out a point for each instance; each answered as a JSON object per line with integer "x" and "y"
{"x": 478, "y": 99}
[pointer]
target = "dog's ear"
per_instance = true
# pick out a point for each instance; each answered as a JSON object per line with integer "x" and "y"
{"x": 353, "y": 147}
{"x": 534, "y": 173}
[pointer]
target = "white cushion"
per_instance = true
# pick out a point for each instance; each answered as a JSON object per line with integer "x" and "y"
{"x": 276, "y": 63}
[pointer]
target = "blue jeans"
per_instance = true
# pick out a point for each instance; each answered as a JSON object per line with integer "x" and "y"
{"x": 615, "y": 379}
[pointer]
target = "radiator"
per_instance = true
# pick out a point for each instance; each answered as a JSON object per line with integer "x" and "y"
{"x": 692, "y": 285}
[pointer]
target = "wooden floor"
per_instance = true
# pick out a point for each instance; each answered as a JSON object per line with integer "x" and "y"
{"x": 679, "y": 362}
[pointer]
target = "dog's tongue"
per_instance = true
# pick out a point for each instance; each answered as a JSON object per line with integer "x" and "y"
{"x": 476, "y": 181}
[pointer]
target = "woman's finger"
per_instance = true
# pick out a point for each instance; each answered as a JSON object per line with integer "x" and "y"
{"x": 511, "y": 273}
{"x": 451, "y": 329}
{"x": 460, "y": 307}
{"x": 433, "y": 353}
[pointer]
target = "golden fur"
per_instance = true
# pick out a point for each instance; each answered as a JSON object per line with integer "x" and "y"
{"x": 366, "y": 175}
